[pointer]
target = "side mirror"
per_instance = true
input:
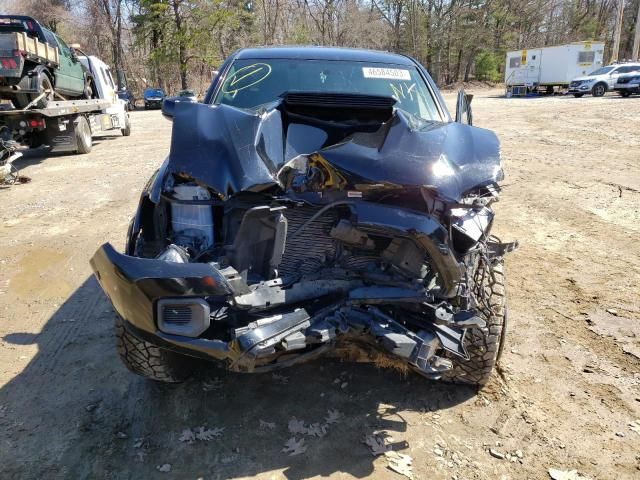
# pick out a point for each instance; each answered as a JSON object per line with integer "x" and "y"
{"x": 463, "y": 108}
{"x": 74, "y": 48}
{"x": 168, "y": 107}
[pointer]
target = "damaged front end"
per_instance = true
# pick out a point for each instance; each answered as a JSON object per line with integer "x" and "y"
{"x": 272, "y": 237}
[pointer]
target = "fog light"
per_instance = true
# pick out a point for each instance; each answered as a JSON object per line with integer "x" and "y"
{"x": 188, "y": 317}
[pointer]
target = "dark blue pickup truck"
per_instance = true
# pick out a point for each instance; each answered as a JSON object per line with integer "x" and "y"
{"x": 319, "y": 200}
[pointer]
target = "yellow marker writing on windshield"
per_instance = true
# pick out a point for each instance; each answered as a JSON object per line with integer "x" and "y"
{"x": 246, "y": 77}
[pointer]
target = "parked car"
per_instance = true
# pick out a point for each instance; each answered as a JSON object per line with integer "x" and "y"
{"x": 597, "y": 83}
{"x": 627, "y": 85}
{"x": 318, "y": 199}
{"x": 126, "y": 95}
{"x": 186, "y": 96}
{"x": 153, "y": 98}
{"x": 38, "y": 62}
{"x": 183, "y": 96}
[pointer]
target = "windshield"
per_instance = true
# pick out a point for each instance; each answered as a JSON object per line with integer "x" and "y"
{"x": 601, "y": 71}
{"x": 154, "y": 91}
{"x": 186, "y": 93}
{"x": 251, "y": 83}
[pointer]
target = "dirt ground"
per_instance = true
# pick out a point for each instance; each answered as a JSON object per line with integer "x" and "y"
{"x": 568, "y": 387}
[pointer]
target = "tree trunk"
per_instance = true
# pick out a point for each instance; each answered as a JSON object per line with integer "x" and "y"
{"x": 182, "y": 50}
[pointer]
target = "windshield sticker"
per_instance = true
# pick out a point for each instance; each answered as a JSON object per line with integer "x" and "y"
{"x": 403, "y": 90}
{"x": 386, "y": 73}
{"x": 246, "y": 77}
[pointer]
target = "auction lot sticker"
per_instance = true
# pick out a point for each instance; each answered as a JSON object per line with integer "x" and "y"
{"x": 388, "y": 73}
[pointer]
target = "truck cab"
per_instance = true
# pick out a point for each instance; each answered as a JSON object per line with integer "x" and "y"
{"x": 101, "y": 73}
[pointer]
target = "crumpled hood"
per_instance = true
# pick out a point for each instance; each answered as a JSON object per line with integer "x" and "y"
{"x": 233, "y": 150}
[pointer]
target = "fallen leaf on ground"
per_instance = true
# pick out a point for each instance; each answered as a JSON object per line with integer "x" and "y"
{"x": 332, "y": 417}
{"x": 208, "y": 434}
{"x": 635, "y": 426}
{"x": 187, "y": 436}
{"x": 267, "y": 425}
{"x": 200, "y": 433}
{"x": 565, "y": 475}
{"x": 294, "y": 447}
{"x": 297, "y": 426}
{"x": 400, "y": 463}
{"x": 376, "y": 444}
{"x": 316, "y": 430}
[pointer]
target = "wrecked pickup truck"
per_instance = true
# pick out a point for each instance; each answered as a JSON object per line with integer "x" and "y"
{"x": 318, "y": 201}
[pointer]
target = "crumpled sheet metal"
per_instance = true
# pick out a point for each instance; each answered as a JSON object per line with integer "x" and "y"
{"x": 233, "y": 150}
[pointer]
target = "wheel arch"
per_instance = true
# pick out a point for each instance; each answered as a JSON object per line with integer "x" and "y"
{"x": 34, "y": 77}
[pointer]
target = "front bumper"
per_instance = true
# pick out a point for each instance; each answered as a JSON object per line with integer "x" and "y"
{"x": 582, "y": 88}
{"x": 627, "y": 87}
{"x": 135, "y": 287}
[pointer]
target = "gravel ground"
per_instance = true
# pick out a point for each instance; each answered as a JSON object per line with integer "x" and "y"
{"x": 567, "y": 392}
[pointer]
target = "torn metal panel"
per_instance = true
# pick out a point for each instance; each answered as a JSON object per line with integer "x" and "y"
{"x": 233, "y": 150}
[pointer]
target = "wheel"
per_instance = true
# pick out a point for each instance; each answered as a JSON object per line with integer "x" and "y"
{"x": 46, "y": 87}
{"x": 599, "y": 89}
{"x": 83, "y": 136}
{"x": 126, "y": 131}
{"x": 484, "y": 347}
{"x": 89, "y": 88}
{"x": 578, "y": 95}
{"x": 624, "y": 93}
{"x": 149, "y": 361}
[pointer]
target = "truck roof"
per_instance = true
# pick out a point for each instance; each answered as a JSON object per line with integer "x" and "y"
{"x": 28, "y": 24}
{"x": 582, "y": 42}
{"x": 324, "y": 53}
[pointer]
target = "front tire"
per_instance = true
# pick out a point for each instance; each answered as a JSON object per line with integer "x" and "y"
{"x": 149, "y": 361}
{"x": 89, "y": 88}
{"x": 624, "y": 94}
{"x": 599, "y": 89}
{"x": 484, "y": 346}
{"x": 578, "y": 95}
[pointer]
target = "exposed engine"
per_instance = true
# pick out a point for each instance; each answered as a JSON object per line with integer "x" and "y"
{"x": 345, "y": 265}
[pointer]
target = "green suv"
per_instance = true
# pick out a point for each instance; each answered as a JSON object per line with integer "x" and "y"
{"x": 24, "y": 76}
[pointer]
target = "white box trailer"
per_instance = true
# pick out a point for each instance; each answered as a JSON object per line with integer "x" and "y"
{"x": 552, "y": 66}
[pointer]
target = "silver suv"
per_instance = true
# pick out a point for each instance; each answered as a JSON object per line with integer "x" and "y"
{"x": 598, "y": 82}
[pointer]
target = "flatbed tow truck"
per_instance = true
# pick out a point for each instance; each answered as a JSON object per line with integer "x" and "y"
{"x": 63, "y": 125}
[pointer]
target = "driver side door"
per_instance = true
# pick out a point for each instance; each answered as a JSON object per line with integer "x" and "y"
{"x": 69, "y": 74}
